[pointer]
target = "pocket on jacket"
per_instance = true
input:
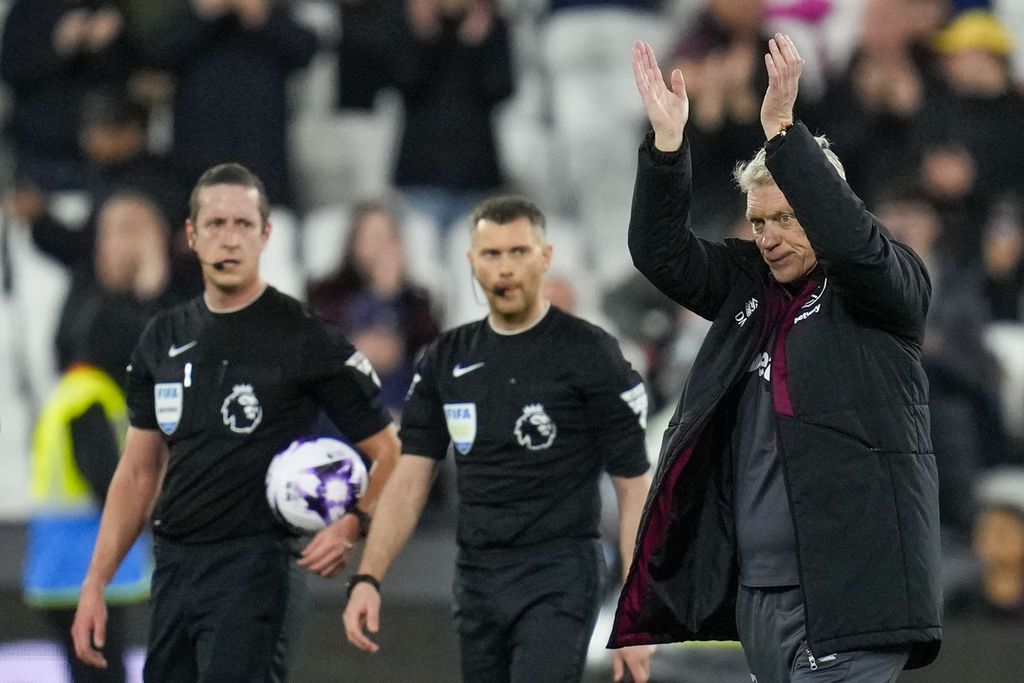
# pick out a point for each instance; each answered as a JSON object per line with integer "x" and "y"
{"x": 849, "y": 532}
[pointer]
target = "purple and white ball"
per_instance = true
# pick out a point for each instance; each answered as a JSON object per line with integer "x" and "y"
{"x": 313, "y": 483}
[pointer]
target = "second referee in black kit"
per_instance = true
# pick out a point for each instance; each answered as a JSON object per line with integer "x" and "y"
{"x": 534, "y": 404}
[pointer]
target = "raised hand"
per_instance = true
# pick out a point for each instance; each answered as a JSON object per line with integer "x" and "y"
{"x": 70, "y": 33}
{"x": 104, "y": 27}
{"x": 253, "y": 14}
{"x": 667, "y": 109}
{"x": 208, "y": 10}
{"x": 424, "y": 18}
{"x": 784, "y": 65}
{"x": 477, "y": 24}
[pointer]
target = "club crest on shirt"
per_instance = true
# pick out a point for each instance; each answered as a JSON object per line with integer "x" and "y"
{"x": 241, "y": 409}
{"x": 813, "y": 304}
{"x": 461, "y": 419}
{"x": 168, "y": 399}
{"x": 535, "y": 429}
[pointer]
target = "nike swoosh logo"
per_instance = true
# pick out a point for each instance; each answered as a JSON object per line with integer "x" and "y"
{"x": 459, "y": 371}
{"x": 176, "y": 350}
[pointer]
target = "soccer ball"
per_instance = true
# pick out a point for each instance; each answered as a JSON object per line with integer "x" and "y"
{"x": 312, "y": 483}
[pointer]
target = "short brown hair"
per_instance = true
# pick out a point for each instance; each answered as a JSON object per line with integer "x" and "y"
{"x": 505, "y": 209}
{"x": 229, "y": 174}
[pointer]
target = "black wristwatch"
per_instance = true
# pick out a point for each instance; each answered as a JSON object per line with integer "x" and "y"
{"x": 364, "y": 520}
{"x": 362, "y": 578}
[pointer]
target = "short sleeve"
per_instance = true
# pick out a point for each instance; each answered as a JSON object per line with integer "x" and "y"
{"x": 343, "y": 383}
{"x": 617, "y": 410}
{"x": 139, "y": 391}
{"x": 424, "y": 430}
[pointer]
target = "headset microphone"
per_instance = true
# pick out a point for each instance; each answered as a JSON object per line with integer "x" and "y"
{"x": 497, "y": 290}
{"x": 216, "y": 265}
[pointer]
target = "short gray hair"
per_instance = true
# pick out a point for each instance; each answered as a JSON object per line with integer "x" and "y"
{"x": 750, "y": 174}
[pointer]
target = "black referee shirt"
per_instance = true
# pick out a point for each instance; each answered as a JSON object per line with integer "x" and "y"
{"x": 532, "y": 418}
{"x": 230, "y": 390}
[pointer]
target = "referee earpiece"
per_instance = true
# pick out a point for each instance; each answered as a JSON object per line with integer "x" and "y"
{"x": 473, "y": 284}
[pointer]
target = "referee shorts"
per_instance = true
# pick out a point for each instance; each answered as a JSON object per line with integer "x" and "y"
{"x": 526, "y": 615}
{"x": 223, "y": 612}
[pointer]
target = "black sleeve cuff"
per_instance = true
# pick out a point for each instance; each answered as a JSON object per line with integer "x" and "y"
{"x": 772, "y": 144}
{"x": 660, "y": 158}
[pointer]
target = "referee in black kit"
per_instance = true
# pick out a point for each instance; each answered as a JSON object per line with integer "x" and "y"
{"x": 535, "y": 404}
{"x": 216, "y": 387}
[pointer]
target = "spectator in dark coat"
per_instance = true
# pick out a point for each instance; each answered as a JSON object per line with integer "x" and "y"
{"x": 54, "y": 52}
{"x": 371, "y": 28}
{"x": 721, "y": 56}
{"x": 872, "y": 109}
{"x": 1002, "y": 258}
{"x": 113, "y": 137}
{"x": 232, "y": 60}
{"x": 981, "y": 110}
{"x": 126, "y": 280}
{"x": 452, "y": 64}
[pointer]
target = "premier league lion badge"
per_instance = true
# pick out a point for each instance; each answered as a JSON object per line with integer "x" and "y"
{"x": 535, "y": 429}
{"x": 241, "y": 410}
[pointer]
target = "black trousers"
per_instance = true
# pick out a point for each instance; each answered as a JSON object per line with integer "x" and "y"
{"x": 223, "y": 612}
{"x": 527, "y": 615}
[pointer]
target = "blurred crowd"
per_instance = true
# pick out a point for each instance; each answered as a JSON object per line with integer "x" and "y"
{"x": 377, "y": 124}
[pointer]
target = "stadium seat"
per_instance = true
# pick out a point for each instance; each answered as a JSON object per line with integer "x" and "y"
{"x": 280, "y": 264}
{"x": 28, "y": 366}
{"x": 1006, "y": 340}
{"x": 323, "y": 235}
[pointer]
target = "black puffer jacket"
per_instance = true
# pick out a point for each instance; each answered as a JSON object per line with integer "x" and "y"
{"x": 851, "y": 402}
